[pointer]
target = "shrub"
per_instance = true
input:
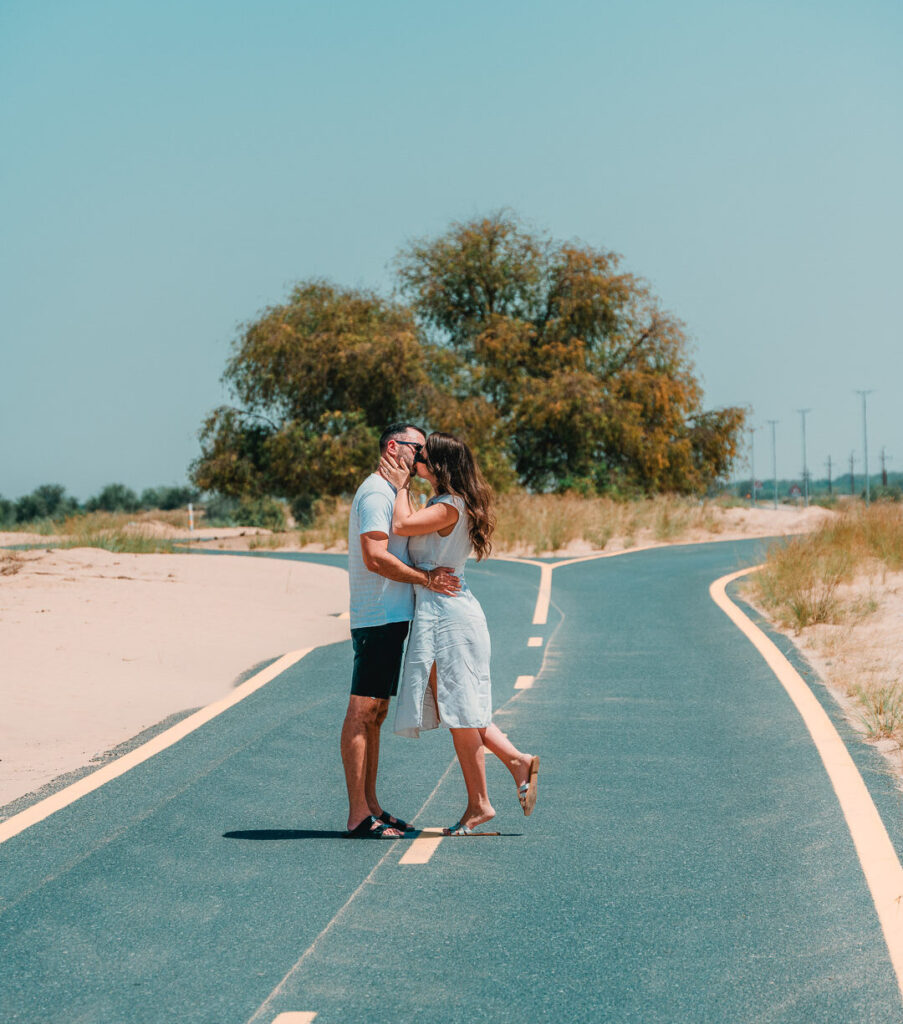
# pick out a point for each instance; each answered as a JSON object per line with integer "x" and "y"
{"x": 266, "y": 513}
{"x": 168, "y": 498}
{"x": 7, "y": 513}
{"x": 114, "y": 498}
{"x": 49, "y": 501}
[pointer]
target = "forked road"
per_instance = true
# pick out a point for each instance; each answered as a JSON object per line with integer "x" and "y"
{"x": 688, "y": 860}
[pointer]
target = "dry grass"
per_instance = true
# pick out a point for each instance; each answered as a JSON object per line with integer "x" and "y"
{"x": 543, "y": 523}
{"x": 882, "y": 710}
{"x": 839, "y": 591}
{"x": 538, "y": 524}
{"x": 329, "y": 527}
{"x": 10, "y": 563}
{"x": 800, "y": 581}
{"x": 273, "y": 541}
{"x": 117, "y": 531}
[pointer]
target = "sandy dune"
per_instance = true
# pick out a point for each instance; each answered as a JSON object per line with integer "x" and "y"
{"x": 99, "y": 646}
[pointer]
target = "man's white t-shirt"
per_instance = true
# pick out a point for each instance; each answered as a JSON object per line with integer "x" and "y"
{"x": 374, "y": 599}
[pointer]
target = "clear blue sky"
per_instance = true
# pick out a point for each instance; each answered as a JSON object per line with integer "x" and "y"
{"x": 169, "y": 169}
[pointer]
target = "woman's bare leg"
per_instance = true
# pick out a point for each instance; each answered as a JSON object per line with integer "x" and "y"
{"x": 471, "y": 757}
{"x": 513, "y": 759}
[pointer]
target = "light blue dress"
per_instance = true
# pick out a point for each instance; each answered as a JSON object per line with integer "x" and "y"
{"x": 450, "y": 631}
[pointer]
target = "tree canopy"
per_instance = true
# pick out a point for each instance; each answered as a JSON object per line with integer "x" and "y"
{"x": 558, "y": 367}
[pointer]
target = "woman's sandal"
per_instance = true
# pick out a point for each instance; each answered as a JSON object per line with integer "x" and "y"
{"x": 371, "y": 828}
{"x": 526, "y": 791}
{"x": 393, "y": 822}
{"x": 458, "y": 829}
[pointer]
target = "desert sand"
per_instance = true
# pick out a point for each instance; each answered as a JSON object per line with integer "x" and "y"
{"x": 98, "y": 647}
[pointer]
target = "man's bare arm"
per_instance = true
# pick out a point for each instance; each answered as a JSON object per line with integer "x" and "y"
{"x": 378, "y": 559}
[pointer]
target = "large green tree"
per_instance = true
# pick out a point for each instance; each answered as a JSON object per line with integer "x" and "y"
{"x": 591, "y": 379}
{"x": 313, "y": 381}
{"x": 556, "y": 366}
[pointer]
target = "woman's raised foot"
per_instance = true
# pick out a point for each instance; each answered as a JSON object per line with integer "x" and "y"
{"x": 528, "y": 787}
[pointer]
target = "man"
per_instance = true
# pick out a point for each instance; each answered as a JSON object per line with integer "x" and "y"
{"x": 380, "y": 579}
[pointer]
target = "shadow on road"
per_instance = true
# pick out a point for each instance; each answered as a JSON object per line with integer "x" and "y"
{"x": 284, "y": 833}
{"x": 273, "y": 834}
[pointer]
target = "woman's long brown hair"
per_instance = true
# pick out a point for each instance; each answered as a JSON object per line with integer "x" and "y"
{"x": 457, "y": 472}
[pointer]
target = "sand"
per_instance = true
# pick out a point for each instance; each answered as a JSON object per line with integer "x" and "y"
{"x": 98, "y": 647}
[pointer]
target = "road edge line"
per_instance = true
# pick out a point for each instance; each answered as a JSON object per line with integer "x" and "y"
{"x": 63, "y": 798}
{"x": 877, "y": 856}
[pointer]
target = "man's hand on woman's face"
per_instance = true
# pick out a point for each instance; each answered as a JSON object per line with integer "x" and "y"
{"x": 394, "y": 471}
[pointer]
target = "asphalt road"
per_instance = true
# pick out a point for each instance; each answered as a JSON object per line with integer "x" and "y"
{"x": 687, "y": 860}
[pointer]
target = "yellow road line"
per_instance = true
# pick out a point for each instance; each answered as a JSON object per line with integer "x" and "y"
{"x": 877, "y": 856}
{"x": 544, "y": 595}
{"x": 524, "y": 682}
{"x": 541, "y": 612}
{"x": 295, "y": 1017}
{"x": 535, "y": 641}
{"x": 423, "y": 847}
{"x": 51, "y": 804}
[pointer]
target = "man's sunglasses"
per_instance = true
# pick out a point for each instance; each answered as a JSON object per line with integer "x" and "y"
{"x": 418, "y": 451}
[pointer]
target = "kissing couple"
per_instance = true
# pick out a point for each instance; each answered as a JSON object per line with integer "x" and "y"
{"x": 406, "y": 580}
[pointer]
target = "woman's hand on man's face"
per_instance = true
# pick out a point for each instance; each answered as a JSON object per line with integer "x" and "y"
{"x": 395, "y": 472}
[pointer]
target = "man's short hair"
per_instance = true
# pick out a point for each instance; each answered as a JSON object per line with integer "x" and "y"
{"x": 396, "y": 431}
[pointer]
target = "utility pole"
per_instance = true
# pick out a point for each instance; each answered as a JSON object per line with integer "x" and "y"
{"x": 752, "y": 466}
{"x": 802, "y": 413}
{"x": 883, "y": 467}
{"x": 865, "y": 445}
{"x": 774, "y": 462}
{"x": 828, "y": 464}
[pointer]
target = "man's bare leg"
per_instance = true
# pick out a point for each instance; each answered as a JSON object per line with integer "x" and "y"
{"x": 373, "y": 732}
{"x": 360, "y": 721}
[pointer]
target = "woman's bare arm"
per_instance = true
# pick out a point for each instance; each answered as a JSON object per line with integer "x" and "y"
{"x": 433, "y": 519}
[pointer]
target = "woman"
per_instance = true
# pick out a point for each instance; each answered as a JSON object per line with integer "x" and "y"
{"x": 446, "y": 671}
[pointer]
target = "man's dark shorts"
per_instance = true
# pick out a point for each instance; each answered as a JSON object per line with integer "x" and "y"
{"x": 378, "y": 652}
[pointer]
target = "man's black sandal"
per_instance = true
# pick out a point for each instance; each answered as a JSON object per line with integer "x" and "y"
{"x": 394, "y": 822}
{"x": 370, "y": 828}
